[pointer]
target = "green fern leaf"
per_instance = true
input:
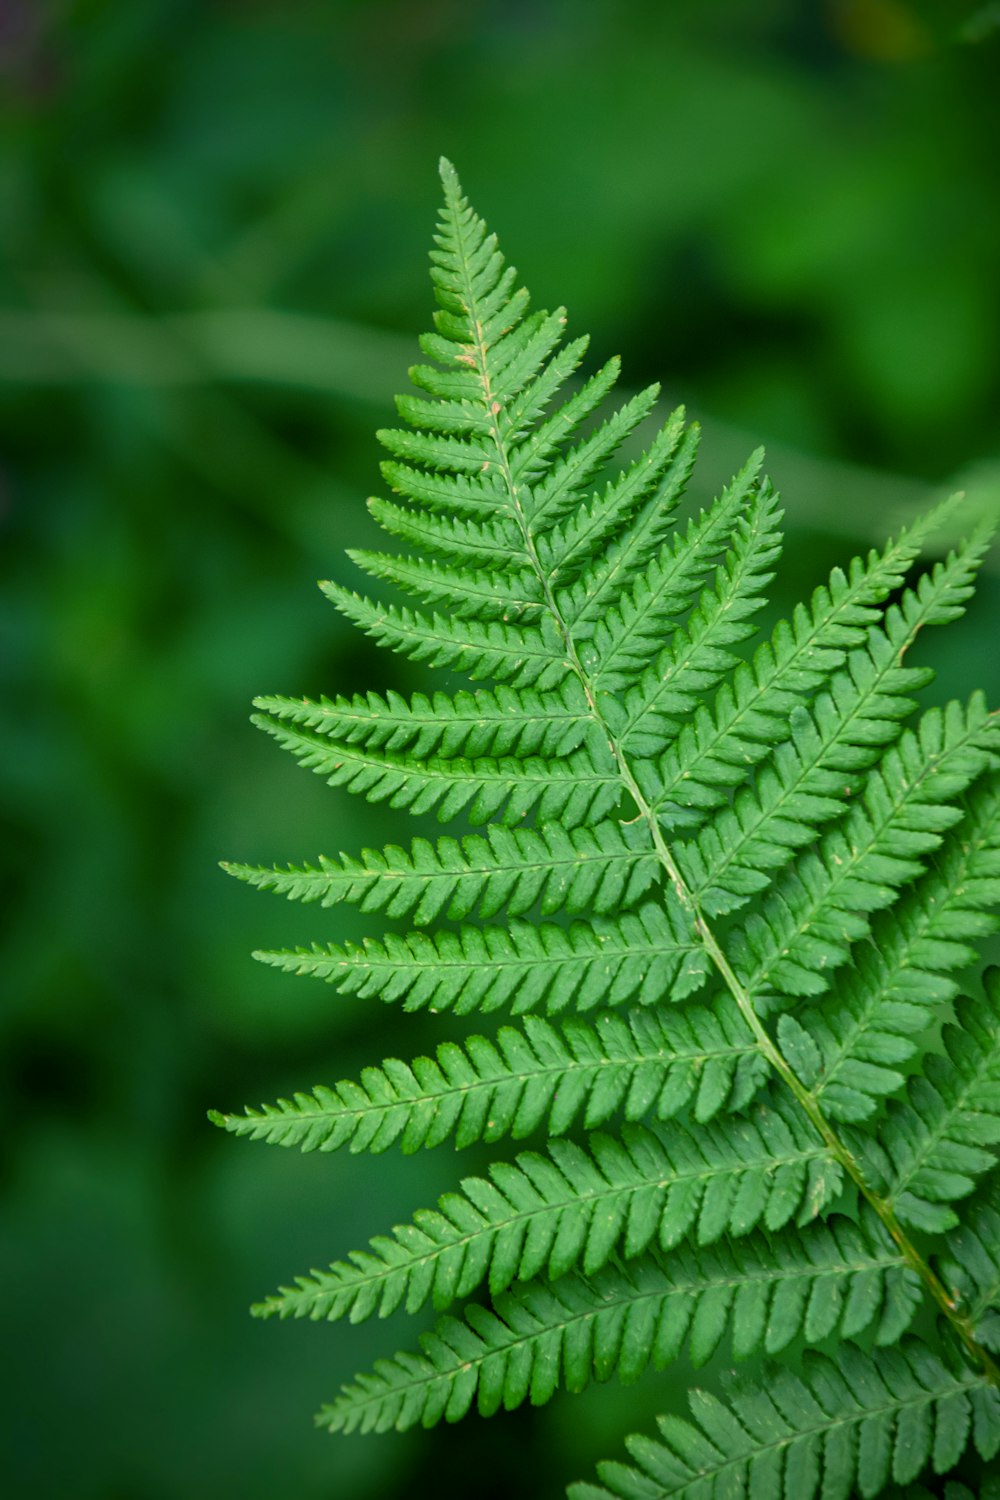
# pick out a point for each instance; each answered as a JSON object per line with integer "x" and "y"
{"x": 508, "y": 595}
{"x": 518, "y": 654}
{"x": 581, "y": 787}
{"x": 659, "y": 816}
{"x": 970, "y": 1269}
{"x": 710, "y": 754}
{"x": 861, "y": 1420}
{"x": 669, "y": 582}
{"x": 560, "y": 486}
{"x": 804, "y": 783}
{"x": 478, "y": 544}
{"x": 563, "y": 870}
{"x": 626, "y": 634}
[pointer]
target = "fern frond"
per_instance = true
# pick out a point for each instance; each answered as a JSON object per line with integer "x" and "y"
{"x": 834, "y": 1278}
{"x": 447, "y": 453}
{"x": 860, "y": 1420}
{"x": 663, "y": 579}
{"x": 560, "y": 486}
{"x": 544, "y": 1215}
{"x": 935, "y": 1145}
{"x": 471, "y": 490}
{"x": 669, "y": 785}
{"x": 478, "y": 544}
{"x": 636, "y": 957}
{"x": 643, "y": 1064}
{"x": 970, "y": 1268}
{"x": 524, "y": 412}
{"x": 566, "y": 549}
{"x": 537, "y": 446}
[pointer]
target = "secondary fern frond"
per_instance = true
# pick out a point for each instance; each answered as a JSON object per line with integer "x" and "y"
{"x": 582, "y": 786}
{"x": 626, "y": 634}
{"x": 522, "y": 655}
{"x": 558, "y": 488}
{"x": 863, "y": 1420}
{"x": 476, "y": 544}
{"x": 747, "y": 890}
{"x": 668, "y": 580}
{"x": 711, "y": 754}
{"x": 509, "y": 595}
{"x": 806, "y": 779}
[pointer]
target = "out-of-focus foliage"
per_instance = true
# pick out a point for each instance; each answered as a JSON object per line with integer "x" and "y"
{"x": 211, "y": 212}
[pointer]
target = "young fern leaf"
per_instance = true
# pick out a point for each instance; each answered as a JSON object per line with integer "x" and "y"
{"x": 563, "y": 870}
{"x": 745, "y": 886}
{"x": 805, "y": 781}
{"x": 581, "y": 787}
{"x": 711, "y": 754}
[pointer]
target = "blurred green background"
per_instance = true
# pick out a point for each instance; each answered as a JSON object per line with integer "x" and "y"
{"x": 215, "y": 223}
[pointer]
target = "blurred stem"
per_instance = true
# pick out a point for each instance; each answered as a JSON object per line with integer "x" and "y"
{"x": 254, "y": 344}
{"x": 354, "y": 363}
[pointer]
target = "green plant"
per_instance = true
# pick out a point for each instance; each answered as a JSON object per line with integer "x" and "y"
{"x": 745, "y": 889}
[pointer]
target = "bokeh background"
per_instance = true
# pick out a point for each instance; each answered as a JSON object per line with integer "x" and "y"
{"x": 215, "y": 221}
